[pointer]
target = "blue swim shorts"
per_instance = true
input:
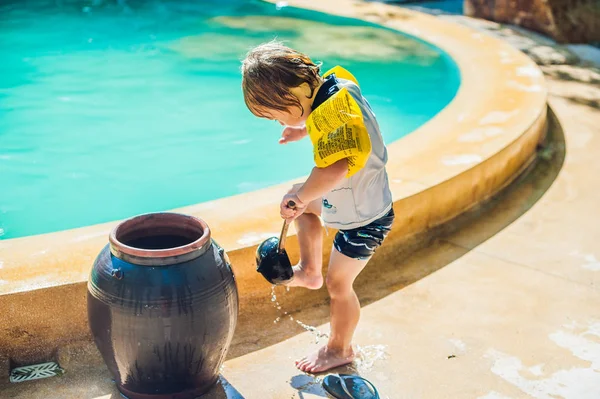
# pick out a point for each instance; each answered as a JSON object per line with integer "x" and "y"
{"x": 361, "y": 243}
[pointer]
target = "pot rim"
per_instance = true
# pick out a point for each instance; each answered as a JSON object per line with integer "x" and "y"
{"x": 163, "y": 256}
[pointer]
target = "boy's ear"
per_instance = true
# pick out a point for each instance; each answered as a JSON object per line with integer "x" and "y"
{"x": 306, "y": 90}
{"x": 302, "y": 90}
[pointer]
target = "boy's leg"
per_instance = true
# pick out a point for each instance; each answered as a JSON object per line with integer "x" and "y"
{"x": 352, "y": 250}
{"x": 345, "y": 313}
{"x": 308, "y": 272}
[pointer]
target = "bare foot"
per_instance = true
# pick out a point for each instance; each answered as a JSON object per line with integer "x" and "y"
{"x": 324, "y": 359}
{"x": 306, "y": 279}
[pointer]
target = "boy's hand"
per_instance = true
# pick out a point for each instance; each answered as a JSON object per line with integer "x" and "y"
{"x": 291, "y": 212}
{"x": 292, "y": 133}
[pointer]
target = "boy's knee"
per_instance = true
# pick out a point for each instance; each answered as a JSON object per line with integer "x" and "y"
{"x": 337, "y": 286}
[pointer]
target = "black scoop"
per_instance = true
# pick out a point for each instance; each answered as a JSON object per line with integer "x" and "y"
{"x": 272, "y": 260}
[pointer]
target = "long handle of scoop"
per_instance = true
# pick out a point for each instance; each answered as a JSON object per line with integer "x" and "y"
{"x": 284, "y": 229}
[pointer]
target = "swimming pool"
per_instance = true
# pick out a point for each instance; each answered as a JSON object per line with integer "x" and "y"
{"x": 115, "y": 109}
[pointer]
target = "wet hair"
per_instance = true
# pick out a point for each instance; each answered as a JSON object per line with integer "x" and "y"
{"x": 269, "y": 71}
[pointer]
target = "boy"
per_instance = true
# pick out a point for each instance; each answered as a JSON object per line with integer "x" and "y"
{"x": 348, "y": 188}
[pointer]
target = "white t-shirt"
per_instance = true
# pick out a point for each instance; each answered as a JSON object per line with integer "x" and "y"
{"x": 365, "y": 196}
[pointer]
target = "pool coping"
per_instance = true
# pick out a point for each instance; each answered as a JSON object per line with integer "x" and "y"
{"x": 470, "y": 150}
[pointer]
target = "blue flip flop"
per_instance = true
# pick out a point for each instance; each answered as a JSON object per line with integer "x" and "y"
{"x": 347, "y": 386}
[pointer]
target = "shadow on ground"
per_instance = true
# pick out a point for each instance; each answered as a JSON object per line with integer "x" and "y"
{"x": 222, "y": 390}
{"x": 562, "y": 75}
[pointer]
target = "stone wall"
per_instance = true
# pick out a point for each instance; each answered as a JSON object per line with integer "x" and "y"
{"x": 566, "y": 21}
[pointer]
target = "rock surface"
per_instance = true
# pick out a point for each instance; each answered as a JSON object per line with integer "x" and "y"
{"x": 567, "y": 21}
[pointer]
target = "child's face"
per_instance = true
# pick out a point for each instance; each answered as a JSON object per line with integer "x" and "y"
{"x": 293, "y": 116}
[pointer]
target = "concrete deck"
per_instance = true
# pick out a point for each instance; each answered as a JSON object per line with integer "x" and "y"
{"x": 505, "y": 307}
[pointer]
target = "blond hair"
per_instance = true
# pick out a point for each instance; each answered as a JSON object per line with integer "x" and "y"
{"x": 269, "y": 71}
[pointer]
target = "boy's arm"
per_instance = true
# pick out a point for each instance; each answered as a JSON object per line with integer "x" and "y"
{"x": 320, "y": 182}
{"x": 292, "y": 133}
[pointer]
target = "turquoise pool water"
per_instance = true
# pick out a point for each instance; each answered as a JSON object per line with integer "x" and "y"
{"x": 111, "y": 109}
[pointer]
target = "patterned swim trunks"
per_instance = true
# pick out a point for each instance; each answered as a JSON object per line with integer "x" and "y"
{"x": 361, "y": 243}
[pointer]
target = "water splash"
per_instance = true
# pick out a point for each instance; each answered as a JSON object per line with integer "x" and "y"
{"x": 273, "y": 295}
{"x": 367, "y": 356}
{"x": 317, "y": 333}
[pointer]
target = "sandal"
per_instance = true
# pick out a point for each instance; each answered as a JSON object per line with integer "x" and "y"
{"x": 347, "y": 386}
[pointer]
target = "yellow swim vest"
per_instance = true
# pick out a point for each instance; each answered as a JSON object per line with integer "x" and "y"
{"x": 337, "y": 130}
